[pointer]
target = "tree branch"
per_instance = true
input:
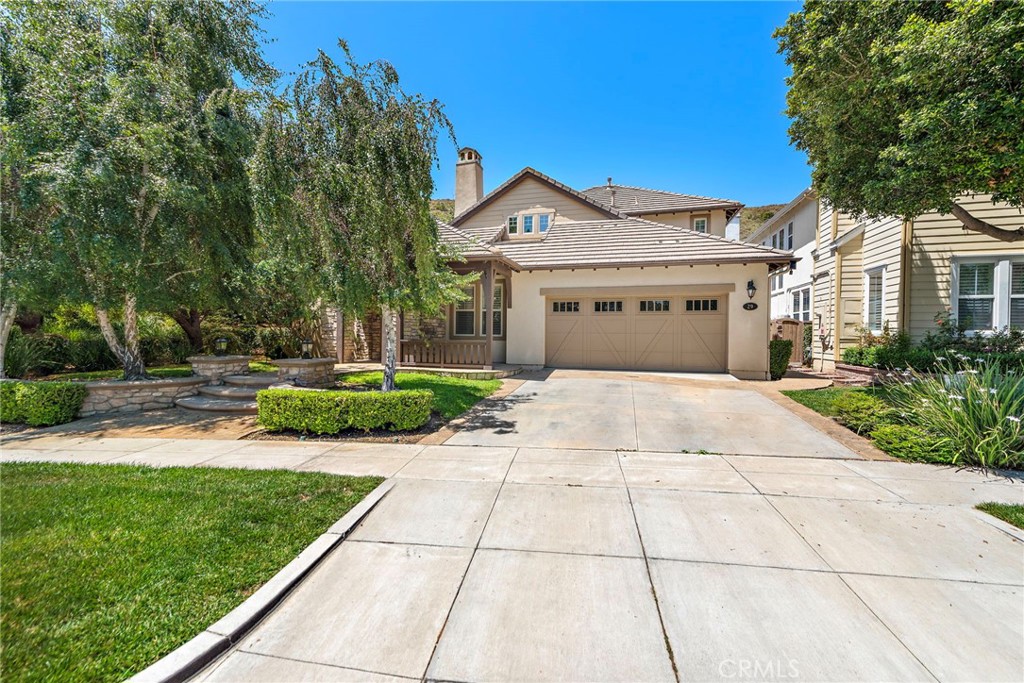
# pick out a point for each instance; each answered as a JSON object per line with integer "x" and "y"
{"x": 976, "y": 224}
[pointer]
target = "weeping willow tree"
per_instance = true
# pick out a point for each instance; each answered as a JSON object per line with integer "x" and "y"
{"x": 140, "y": 144}
{"x": 342, "y": 184}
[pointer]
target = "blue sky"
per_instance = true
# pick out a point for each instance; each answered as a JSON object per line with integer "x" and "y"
{"x": 686, "y": 97}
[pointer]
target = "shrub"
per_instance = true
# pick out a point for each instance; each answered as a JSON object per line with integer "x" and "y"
{"x": 808, "y": 342}
{"x": 779, "y": 351}
{"x": 911, "y": 443}
{"x": 330, "y": 412}
{"x": 87, "y": 351}
{"x": 40, "y": 403}
{"x": 975, "y": 408}
{"x": 861, "y": 412}
{"x": 23, "y": 355}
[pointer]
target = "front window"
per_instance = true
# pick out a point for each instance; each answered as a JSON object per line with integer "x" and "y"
{"x": 777, "y": 282}
{"x": 976, "y": 295}
{"x": 465, "y": 314}
{"x": 513, "y": 225}
{"x": 1017, "y": 295}
{"x": 875, "y": 299}
{"x": 527, "y": 225}
{"x": 497, "y": 309}
{"x": 543, "y": 221}
{"x": 700, "y": 224}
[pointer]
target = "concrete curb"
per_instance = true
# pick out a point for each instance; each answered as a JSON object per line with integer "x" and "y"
{"x": 196, "y": 654}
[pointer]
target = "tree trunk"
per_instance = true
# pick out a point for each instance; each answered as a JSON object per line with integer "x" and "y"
{"x": 976, "y": 224}
{"x": 190, "y": 321}
{"x": 390, "y": 317}
{"x": 7, "y": 315}
{"x": 129, "y": 352}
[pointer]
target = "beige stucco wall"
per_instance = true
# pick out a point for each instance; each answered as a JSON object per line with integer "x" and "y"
{"x": 530, "y": 193}
{"x": 684, "y": 219}
{"x": 747, "y": 330}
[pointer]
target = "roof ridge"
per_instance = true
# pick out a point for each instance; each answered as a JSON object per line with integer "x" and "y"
{"x": 529, "y": 170}
{"x": 651, "y": 189}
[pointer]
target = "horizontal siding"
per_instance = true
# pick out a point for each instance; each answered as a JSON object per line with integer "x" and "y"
{"x": 937, "y": 240}
{"x": 882, "y": 248}
{"x": 529, "y": 194}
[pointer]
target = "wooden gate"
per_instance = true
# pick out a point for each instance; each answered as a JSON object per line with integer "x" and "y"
{"x": 793, "y": 330}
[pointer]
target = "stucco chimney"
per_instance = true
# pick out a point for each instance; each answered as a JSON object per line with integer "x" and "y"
{"x": 469, "y": 179}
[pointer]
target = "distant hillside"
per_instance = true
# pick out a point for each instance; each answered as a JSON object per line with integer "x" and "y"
{"x": 443, "y": 209}
{"x": 753, "y": 216}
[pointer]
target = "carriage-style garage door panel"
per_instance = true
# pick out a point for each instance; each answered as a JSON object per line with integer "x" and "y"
{"x": 684, "y": 333}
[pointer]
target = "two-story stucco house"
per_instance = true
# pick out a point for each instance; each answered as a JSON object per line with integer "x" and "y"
{"x": 902, "y": 274}
{"x": 611, "y": 277}
{"x": 792, "y": 228}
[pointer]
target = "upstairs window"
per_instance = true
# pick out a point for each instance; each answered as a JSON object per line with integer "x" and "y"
{"x": 789, "y": 237}
{"x": 543, "y": 221}
{"x": 528, "y": 225}
{"x": 513, "y": 225}
{"x": 700, "y": 224}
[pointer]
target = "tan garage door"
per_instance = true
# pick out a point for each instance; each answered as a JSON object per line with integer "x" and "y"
{"x": 645, "y": 333}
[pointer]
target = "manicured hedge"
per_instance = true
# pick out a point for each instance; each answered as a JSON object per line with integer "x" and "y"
{"x": 779, "y": 352}
{"x": 40, "y": 404}
{"x": 330, "y": 412}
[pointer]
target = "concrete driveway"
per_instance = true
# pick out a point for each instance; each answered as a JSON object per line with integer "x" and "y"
{"x": 573, "y": 409}
{"x": 530, "y": 561}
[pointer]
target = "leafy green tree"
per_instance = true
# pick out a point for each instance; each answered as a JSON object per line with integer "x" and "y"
{"x": 25, "y": 276}
{"x": 902, "y": 107}
{"x": 342, "y": 181}
{"x": 145, "y": 139}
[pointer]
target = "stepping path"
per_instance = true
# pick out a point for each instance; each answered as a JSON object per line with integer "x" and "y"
{"x": 237, "y": 396}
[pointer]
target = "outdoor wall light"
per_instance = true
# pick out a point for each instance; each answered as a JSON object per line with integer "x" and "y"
{"x": 751, "y": 289}
{"x": 307, "y": 348}
{"x": 221, "y": 346}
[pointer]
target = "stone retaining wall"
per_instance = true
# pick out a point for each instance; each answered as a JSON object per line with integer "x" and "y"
{"x": 213, "y": 368}
{"x": 132, "y": 397}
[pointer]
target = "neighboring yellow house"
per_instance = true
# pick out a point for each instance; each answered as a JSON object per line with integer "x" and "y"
{"x": 612, "y": 277}
{"x": 905, "y": 273}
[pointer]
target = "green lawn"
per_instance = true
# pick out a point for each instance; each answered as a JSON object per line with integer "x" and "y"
{"x": 452, "y": 396}
{"x": 107, "y": 568}
{"x": 822, "y": 400}
{"x": 166, "y": 371}
{"x": 1012, "y": 514}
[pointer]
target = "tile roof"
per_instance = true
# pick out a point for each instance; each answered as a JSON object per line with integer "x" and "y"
{"x": 472, "y": 246}
{"x": 629, "y": 242}
{"x": 634, "y": 201}
{"x": 534, "y": 173}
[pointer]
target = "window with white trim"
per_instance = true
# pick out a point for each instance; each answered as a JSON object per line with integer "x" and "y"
{"x": 513, "y": 225}
{"x": 874, "y": 299}
{"x": 789, "y": 237}
{"x": 700, "y": 224}
{"x": 802, "y": 304}
{"x": 988, "y": 292}
{"x": 497, "y": 309}
{"x": 528, "y": 225}
{"x": 776, "y": 281}
{"x": 543, "y": 221}
{"x": 1017, "y": 294}
{"x": 465, "y": 314}
{"x": 976, "y": 295}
